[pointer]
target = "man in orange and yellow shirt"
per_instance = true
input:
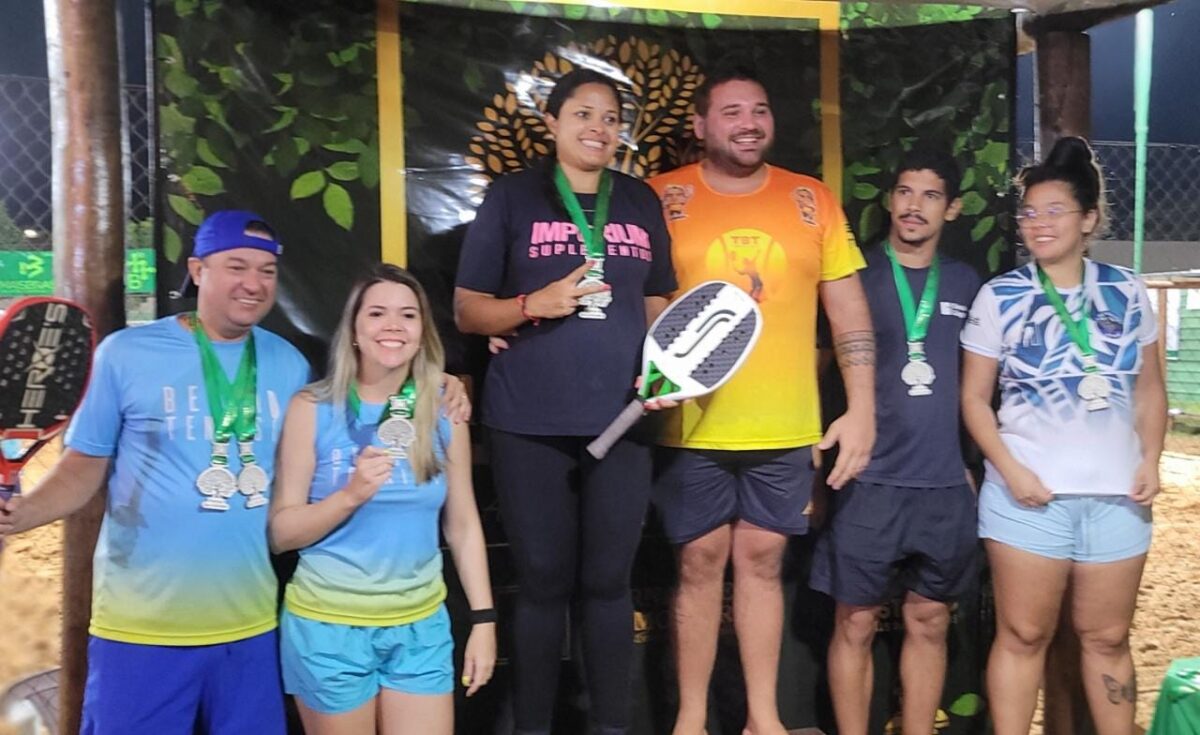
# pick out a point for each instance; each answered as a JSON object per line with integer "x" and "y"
{"x": 736, "y": 469}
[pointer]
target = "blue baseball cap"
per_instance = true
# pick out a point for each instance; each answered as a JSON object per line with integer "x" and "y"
{"x": 226, "y": 230}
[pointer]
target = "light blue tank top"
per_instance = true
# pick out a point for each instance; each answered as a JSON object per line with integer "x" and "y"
{"x": 383, "y": 565}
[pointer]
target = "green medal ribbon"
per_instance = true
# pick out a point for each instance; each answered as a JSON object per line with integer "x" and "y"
{"x": 592, "y": 233}
{"x": 1076, "y": 326}
{"x": 916, "y": 316}
{"x": 402, "y": 404}
{"x": 233, "y": 407}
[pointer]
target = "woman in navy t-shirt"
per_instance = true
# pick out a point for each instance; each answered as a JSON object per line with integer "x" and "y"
{"x": 576, "y": 307}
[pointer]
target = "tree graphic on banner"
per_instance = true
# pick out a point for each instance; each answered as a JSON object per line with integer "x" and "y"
{"x": 658, "y": 83}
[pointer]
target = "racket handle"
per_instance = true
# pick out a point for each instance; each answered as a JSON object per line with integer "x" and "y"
{"x": 10, "y": 484}
{"x": 621, "y": 424}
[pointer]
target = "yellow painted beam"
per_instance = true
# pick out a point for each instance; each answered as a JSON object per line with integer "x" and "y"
{"x": 827, "y": 12}
{"x": 831, "y": 111}
{"x": 393, "y": 212}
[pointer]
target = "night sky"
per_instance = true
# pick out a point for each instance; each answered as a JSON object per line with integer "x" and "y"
{"x": 1176, "y": 86}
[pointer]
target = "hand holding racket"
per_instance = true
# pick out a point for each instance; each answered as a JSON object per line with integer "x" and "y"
{"x": 46, "y": 349}
{"x": 695, "y": 345}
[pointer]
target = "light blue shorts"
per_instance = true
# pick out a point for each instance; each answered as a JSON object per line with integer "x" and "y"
{"x": 1082, "y": 528}
{"x": 337, "y": 668}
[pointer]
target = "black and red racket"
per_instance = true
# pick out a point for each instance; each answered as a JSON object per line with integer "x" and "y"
{"x": 46, "y": 347}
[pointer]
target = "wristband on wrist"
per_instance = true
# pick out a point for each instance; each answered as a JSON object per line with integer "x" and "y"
{"x": 521, "y": 303}
{"x": 482, "y": 617}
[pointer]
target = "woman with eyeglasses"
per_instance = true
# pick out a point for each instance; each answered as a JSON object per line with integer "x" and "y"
{"x": 1072, "y": 455}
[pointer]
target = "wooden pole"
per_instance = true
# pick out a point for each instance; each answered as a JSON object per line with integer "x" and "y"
{"x": 89, "y": 256}
{"x": 1064, "y": 84}
{"x": 1064, "y": 108}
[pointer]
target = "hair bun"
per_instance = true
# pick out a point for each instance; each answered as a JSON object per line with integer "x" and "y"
{"x": 1073, "y": 158}
{"x": 1071, "y": 154}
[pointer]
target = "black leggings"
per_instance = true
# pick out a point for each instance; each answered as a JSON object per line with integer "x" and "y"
{"x": 574, "y": 525}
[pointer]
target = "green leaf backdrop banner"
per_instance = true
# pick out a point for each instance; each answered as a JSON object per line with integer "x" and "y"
{"x": 274, "y": 106}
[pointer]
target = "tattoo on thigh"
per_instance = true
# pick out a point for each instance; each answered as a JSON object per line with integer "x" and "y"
{"x": 855, "y": 348}
{"x": 1118, "y": 692}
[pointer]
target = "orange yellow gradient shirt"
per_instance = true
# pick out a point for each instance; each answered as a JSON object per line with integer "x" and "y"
{"x": 778, "y": 243}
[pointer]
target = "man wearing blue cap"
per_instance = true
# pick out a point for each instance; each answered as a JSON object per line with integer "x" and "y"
{"x": 181, "y": 420}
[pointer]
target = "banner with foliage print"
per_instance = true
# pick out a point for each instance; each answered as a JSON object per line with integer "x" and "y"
{"x": 274, "y": 106}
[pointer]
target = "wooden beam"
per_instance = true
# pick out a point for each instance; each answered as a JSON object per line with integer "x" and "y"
{"x": 1064, "y": 82}
{"x": 1078, "y": 21}
{"x": 89, "y": 256}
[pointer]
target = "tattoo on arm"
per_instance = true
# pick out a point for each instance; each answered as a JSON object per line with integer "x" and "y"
{"x": 1118, "y": 692}
{"x": 855, "y": 348}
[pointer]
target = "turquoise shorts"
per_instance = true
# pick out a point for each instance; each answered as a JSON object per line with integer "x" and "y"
{"x": 1082, "y": 528}
{"x": 337, "y": 668}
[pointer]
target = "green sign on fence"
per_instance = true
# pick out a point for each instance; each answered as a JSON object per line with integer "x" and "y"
{"x": 31, "y": 272}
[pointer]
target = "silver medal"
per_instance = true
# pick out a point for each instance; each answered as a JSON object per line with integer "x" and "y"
{"x": 251, "y": 482}
{"x": 918, "y": 376}
{"x": 1094, "y": 390}
{"x": 397, "y": 434}
{"x": 217, "y": 484}
{"x": 594, "y": 304}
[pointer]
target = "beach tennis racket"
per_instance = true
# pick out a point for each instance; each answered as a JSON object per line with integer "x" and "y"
{"x": 693, "y": 347}
{"x": 46, "y": 347}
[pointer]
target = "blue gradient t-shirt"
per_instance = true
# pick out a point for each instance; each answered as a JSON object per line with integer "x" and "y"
{"x": 1043, "y": 420}
{"x": 382, "y": 565}
{"x": 165, "y": 571}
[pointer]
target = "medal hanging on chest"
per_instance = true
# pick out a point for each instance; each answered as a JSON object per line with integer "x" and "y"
{"x": 233, "y": 408}
{"x": 395, "y": 428}
{"x": 1093, "y": 387}
{"x": 917, "y": 373}
{"x": 592, "y": 234}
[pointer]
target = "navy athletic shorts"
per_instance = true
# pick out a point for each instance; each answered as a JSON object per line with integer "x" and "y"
{"x": 699, "y": 490}
{"x": 882, "y": 538}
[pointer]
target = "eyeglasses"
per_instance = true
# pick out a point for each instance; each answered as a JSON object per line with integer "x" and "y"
{"x": 1030, "y": 216}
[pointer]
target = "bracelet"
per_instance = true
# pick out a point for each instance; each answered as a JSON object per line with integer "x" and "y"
{"x": 521, "y": 303}
{"x": 482, "y": 617}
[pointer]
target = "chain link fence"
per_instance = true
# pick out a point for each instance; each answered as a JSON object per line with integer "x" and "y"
{"x": 26, "y": 199}
{"x": 26, "y": 160}
{"x": 1172, "y": 189}
{"x": 24, "y": 156}
{"x": 1172, "y": 174}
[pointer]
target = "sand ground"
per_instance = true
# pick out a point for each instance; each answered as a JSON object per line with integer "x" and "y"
{"x": 1166, "y": 626}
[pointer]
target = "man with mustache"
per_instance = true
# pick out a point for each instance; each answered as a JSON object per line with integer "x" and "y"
{"x": 736, "y": 471}
{"x": 907, "y": 522}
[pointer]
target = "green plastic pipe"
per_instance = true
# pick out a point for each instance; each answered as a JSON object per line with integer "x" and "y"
{"x": 1142, "y": 56}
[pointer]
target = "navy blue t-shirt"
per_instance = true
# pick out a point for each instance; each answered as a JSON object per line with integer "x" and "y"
{"x": 917, "y": 438}
{"x": 571, "y": 376}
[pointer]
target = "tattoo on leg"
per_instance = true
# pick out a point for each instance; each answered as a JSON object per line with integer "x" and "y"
{"x": 1118, "y": 692}
{"x": 855, "y": 348}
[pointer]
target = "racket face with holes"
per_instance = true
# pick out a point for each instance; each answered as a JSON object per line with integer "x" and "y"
{"x": 699, "y": 341}
{"x": 46, "y": 347}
